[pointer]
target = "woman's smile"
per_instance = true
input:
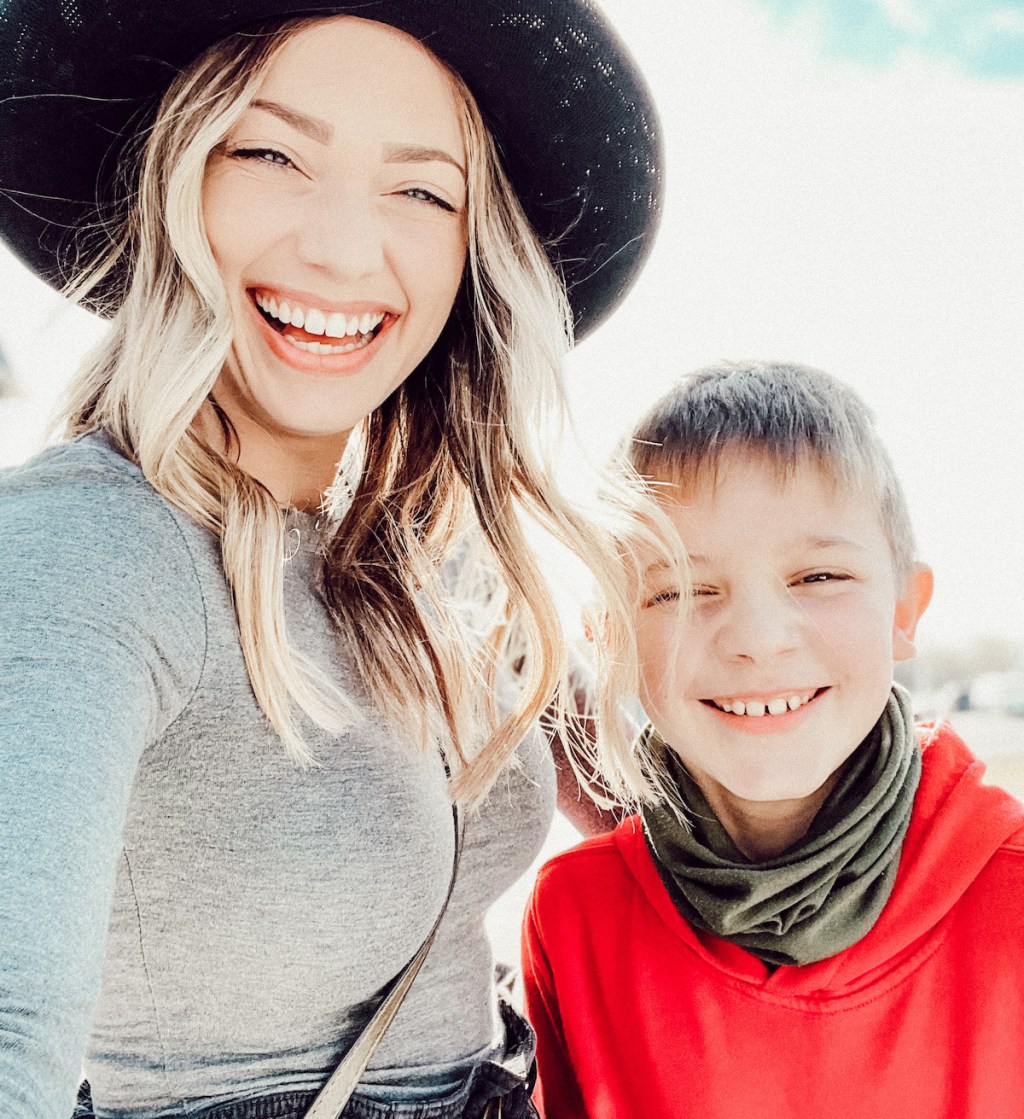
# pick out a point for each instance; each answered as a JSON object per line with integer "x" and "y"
{"x": 324, "y": 340}
{"x": 292, "y": 318}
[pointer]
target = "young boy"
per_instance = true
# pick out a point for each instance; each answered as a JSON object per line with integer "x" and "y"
{"x": 819, "y": 911}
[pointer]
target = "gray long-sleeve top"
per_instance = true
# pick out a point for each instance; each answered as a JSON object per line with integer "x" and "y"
{"x": 180, "y": 902}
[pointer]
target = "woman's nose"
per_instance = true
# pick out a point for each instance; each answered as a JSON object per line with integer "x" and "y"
{"x": 342, "y": 232}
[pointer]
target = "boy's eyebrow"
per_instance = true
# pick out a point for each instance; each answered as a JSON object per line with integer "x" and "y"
{"x": 818, "y": 543}
{"x": 822, "y": 542}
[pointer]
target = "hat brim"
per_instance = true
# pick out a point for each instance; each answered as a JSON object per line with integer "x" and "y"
{"x": 567, "y": 105}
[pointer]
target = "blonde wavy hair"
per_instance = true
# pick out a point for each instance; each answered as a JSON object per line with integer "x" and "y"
{"x": 462, "y": 441}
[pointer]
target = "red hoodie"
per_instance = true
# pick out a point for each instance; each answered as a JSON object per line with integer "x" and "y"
{"x": 640, "y": 1017}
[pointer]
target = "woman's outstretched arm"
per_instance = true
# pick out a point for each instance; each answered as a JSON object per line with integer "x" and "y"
{"x": 92, "y": 664}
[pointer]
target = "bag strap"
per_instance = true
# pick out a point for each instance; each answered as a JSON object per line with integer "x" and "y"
{"x": 335, "y": 1094}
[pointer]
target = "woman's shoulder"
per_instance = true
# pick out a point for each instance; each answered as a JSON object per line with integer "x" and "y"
{"x": 81, "y": 521}
{"x": 88, "y": 466}
{"x": 97, "y": 571}
{"x": 86, "y": 492}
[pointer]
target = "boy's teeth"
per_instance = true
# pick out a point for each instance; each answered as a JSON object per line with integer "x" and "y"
{"x": 757, "y": 709}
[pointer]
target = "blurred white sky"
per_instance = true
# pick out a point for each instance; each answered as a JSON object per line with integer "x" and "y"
{"x": 845, "y": 188}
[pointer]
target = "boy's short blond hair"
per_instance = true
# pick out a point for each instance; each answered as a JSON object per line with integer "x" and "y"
{"x": 792, "y": 414}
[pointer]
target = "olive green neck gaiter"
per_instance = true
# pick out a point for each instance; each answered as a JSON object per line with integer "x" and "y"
{"x": 826, "y": 891}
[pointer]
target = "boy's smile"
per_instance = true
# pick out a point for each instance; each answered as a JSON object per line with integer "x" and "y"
{"x": 784, "y": 662}
{"x": 766, "y": 714}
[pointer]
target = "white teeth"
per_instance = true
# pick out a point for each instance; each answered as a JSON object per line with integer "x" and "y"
{"x": 757, "y": 709}
{"x": 316, "y": 322}
{"x": 336, "y": 326}
{"x": 323, "y": 348}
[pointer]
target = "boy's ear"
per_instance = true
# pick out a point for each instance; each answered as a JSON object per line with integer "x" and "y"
{"x": 917, "y": 593}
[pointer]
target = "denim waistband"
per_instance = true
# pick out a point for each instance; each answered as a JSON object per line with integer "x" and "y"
{"x": 294, "y": 1105}
{"x": 510, "y": 1075}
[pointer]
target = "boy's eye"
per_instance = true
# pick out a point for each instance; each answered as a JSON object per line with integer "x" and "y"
{"x": 822, "y": 577}
{"x": 698, "y": 592}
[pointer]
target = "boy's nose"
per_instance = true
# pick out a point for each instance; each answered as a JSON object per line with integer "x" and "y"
{"x": 759, "y": 624}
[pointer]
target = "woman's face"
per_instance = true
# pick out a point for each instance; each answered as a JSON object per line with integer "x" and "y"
{"x": 336, "y": 212}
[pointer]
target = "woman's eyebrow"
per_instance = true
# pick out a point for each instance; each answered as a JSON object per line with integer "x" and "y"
{"x": 414, "y": 153}
{"x": 319, "y": 130}
{"x": 313, "y": 127}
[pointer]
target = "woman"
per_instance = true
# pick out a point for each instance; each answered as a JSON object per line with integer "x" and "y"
{"x": 227, "y": 823}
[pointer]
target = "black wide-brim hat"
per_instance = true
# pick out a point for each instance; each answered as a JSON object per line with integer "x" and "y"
{"x": 573, "y": 119}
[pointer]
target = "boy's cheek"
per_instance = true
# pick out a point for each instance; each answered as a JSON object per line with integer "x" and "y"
{"x": 665, "y": 682}
{"x": 849, "y": 620}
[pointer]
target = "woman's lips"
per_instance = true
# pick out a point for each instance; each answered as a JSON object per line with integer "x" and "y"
{"x": 301, "y": 319}
{"x": 320, "y": 353}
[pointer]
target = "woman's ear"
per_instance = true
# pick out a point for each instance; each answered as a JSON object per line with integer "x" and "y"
{"x": 912, "y": 603}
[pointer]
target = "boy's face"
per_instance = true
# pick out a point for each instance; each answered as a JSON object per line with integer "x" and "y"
{"x": 785, "y": 660}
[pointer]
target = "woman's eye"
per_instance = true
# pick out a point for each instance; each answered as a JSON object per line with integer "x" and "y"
{"x": 262, "y": 155}
{"x": 418, "y": 194}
